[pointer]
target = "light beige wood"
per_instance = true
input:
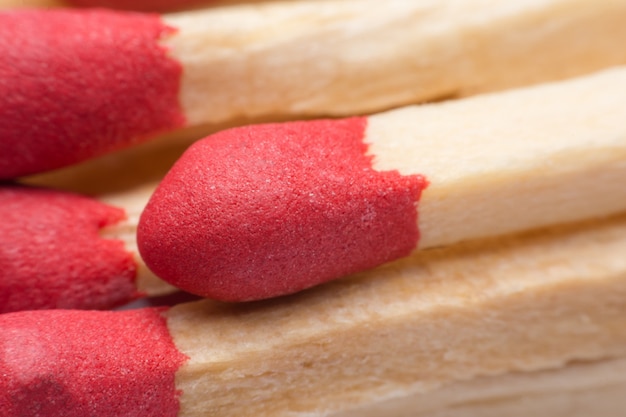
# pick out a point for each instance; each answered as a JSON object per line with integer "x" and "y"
{"x": 577, "y": 390}
{"x": 342, "y": 57}
{"x": 511, "y": 161}
{"x": 444, "y": 316}
{"x": 312, "y": 58}
{"x": 133, "y": 201}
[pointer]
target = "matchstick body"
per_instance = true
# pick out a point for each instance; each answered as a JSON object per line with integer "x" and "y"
{"x": 453, "y": 314}
{"x": 287, "y": 59}
{"x": 512, "y": 161}
{"x": 268, "y": 210}
{"x": 584, "y": 389}
{"x": 341, "y": 58}
{"x": 133, "y": 201}
{"x": 464, "y": 313}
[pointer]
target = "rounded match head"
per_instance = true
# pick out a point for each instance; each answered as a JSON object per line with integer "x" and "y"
{"x": 52, "y": 255}
{"x": 268, "y": 210}
{"x": 78, "y": 84}
{"x": 88, "y": 363}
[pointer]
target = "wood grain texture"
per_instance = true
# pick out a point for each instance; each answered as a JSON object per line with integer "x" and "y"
{"x": 524, "y": 304}
{"x": 343, "y": 57}
{"x": 510, "y": 161}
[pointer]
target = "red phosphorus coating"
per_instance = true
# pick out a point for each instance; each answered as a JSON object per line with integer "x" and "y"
{"x": 78, "y": 84}
{"x": 87, "y": 363}
{"x": 268, "y": 210}
{"x": 141, "y": 5}
{"x": 52, "y": 256}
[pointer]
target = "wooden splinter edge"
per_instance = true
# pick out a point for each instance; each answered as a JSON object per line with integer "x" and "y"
{"x": 411, "y": 328}
{"x": 63, "y": 250}
{"x": 287, "y": 59}
{"x": 268, "y": 210}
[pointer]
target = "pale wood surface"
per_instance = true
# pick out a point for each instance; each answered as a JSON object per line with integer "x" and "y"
{"x": 581, "y": 389}
{"x": 442, "y": 316}
{"x": 133, "y": 202}
{"x": 342, "y": 57}
{"x": 511, "y": 161}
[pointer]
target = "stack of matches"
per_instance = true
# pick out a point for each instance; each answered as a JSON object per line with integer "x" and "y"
{"x": 431, "y": 221}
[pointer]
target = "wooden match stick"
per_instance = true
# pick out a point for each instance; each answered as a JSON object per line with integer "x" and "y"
{"x": 448, "y": 315}
{"x": 63, "y": 250}
{"x": 267, "y": 210}
{"x": 579, "y": 389}
{"x": 133, "y": 76}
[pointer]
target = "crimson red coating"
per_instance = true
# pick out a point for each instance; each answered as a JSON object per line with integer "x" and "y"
{"x": 87, "y": 363}
{"x": 78, "y": 84}
{"x": 140, "y": 5}
{"x": 268, "y": 210}
{"x": 52, "y": 256}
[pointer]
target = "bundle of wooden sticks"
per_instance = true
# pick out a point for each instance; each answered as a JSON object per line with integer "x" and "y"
{"x": 380, "y": 209}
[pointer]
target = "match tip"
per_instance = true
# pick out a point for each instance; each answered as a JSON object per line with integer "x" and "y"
{"x": 56, "y": 257}
{"x": 268, "y": 210}
{"x": 77, "y": 84}
{"x": 87, "y": 363}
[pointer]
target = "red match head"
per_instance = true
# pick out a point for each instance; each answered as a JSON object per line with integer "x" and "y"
{"x": 78, "y": 84}
{"x": 267, "y": 210}
{"x": 88, "y": 363}
{"x": 52, "y": 255}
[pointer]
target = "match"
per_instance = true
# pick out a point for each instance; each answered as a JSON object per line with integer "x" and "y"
{"x": 134, "y": 76}
{"x": 268, "y": 210}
